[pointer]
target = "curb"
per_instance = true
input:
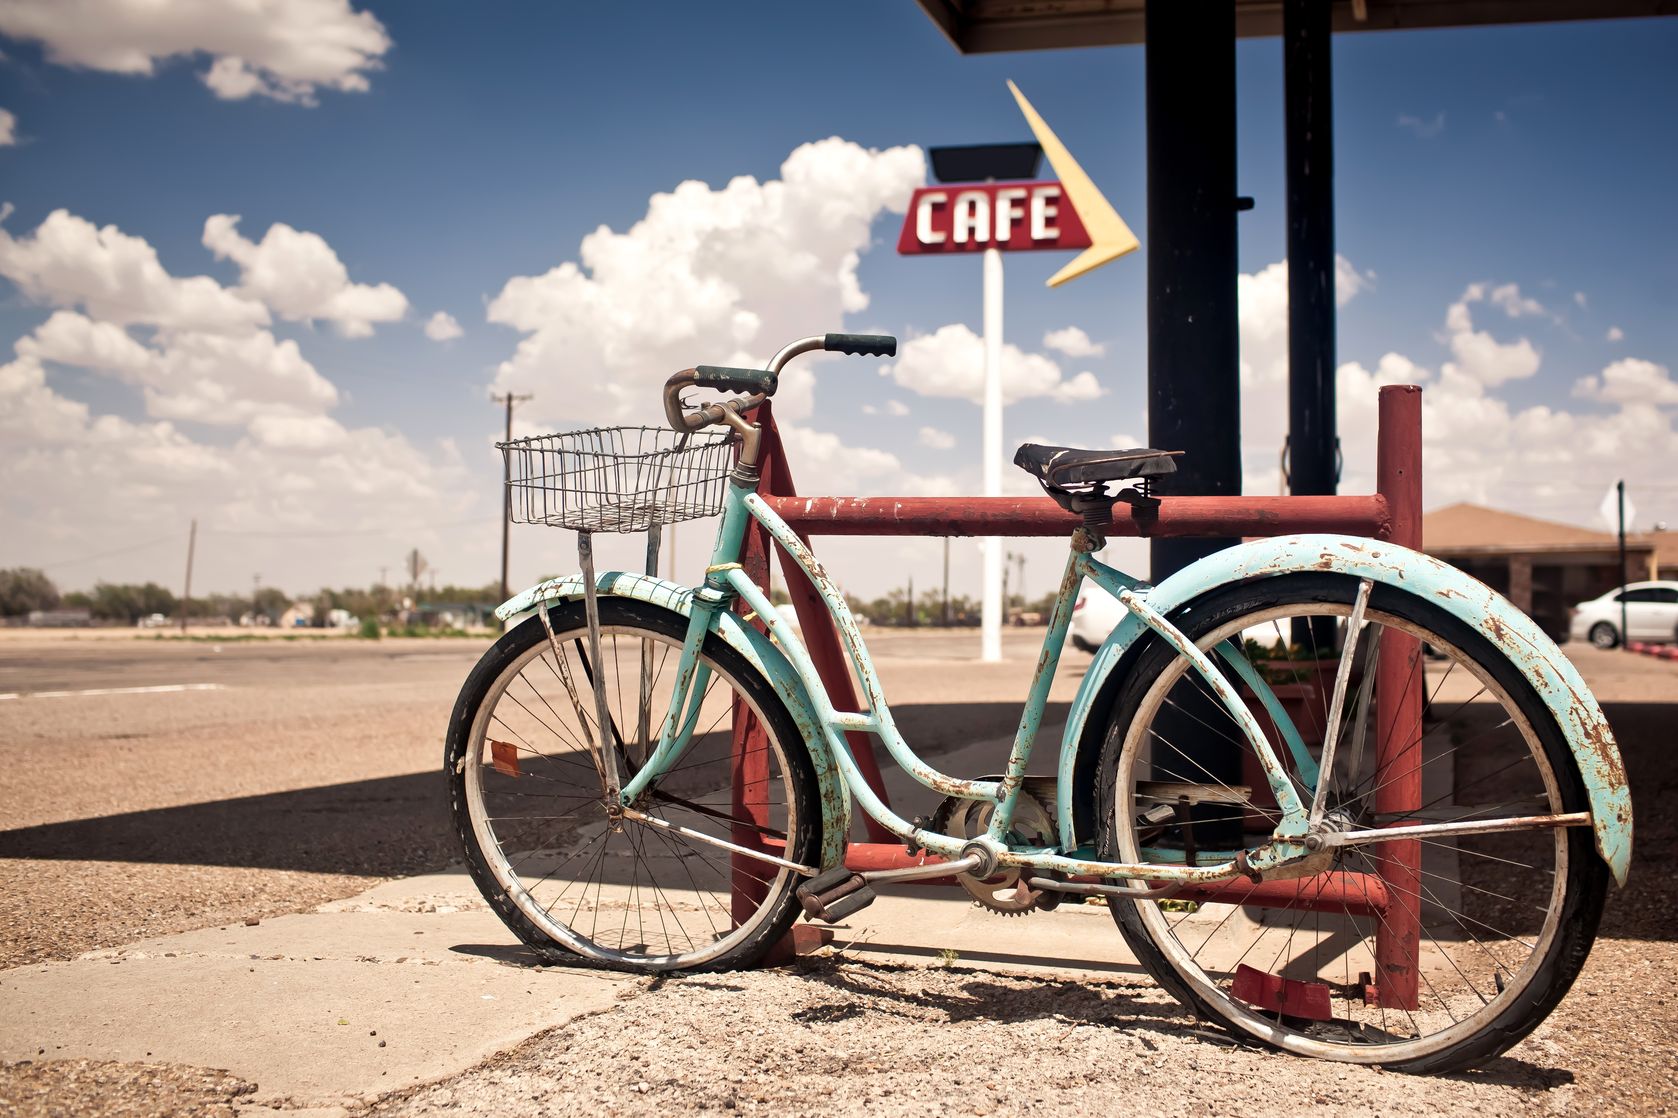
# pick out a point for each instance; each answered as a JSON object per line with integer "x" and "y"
{"x": 1659, "y": 651}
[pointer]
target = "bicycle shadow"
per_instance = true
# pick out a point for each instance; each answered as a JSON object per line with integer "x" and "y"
{"x": 867, "y": 987}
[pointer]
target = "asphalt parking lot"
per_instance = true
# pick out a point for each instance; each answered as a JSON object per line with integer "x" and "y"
{"x": 157, "y": 784}
{"x": 160, "y": 786}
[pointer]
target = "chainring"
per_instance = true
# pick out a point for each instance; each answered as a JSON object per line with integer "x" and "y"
{"x": 1003, "y": 891}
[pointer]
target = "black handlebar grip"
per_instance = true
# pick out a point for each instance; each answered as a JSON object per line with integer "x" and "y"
{"x": 735, "y": 380}
{"x": 865, "y": 345}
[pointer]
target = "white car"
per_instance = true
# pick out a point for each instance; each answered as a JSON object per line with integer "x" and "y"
{"x": 1651, "y": 610}
{"x": 1095, "y": 614}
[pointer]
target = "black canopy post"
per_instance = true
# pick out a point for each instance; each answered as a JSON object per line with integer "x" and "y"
{"x": 1194, "y": 389}
{"x": 1194, "y": 351}
{"x": 1313, "y": 448}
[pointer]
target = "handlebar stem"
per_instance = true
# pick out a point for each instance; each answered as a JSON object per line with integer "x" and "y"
{"x": 793, "y": 349}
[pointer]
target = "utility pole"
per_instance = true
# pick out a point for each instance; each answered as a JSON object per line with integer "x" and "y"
{"x": 506, "y": 488}
{"x": 1620, "y": 490}
{"x": 946, "y": 582}
{"x": 192, "y": 543}
{"x": 909, "y": 605}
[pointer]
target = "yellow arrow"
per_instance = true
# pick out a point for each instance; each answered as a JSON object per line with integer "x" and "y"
{"x": 1110, "y": 237}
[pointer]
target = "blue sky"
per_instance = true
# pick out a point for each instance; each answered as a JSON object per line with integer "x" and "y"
{"x": 490, "y": 140}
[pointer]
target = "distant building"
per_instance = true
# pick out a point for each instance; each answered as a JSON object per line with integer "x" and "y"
{"x": 59, "y": 618}
{"x": 451, "y": 615}
{"x": 1545, "y": 568}
{"x": 1664, "y": 543}
{"x": 299, "y": 615}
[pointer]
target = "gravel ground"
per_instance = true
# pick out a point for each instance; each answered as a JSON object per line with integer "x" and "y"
{"x": 843, "y": 1037}
{"x": 101, "y": 1089}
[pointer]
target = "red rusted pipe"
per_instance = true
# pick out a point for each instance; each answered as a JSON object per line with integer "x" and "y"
{"x": 1351, "y": 894}
{"x": 1398, "y": 708}
{"x": 1354, "y": 894}
{"x": 1040, "y": 516}
{"x": 864, "y": 857}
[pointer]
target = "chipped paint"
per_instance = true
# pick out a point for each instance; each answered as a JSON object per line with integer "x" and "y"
{"x": 1551, "y": 674}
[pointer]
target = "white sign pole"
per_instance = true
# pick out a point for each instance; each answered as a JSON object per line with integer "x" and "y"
{"x": 990, "y": 614}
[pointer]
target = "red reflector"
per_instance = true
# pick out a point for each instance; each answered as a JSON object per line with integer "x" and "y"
{"x": 504, "y": 756}
{"x": 1309, "y": 1000}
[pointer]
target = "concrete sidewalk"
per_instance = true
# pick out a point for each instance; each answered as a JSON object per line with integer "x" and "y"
{"x": 407, "y": 982}
{"x": 417, "y": 980}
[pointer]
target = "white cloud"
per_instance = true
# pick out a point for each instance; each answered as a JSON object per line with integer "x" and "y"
{"x": 209, "y": 378}
{"x": 1630, "y": 380}
{"x": 193, "y": 351}
{"x": 1479, "y": 356}
{"x": 1514, "y": 304}
{"x": 844, "y": 468}
{"x": 1348, "y": 281}
{"x": 69, "y": 338}
{"x": 1422, "y": 129}
{"x": 1579, "y": 297}
{"x": 949, "y": 362}
{"x": 300, "y": 277}
{"x": 1539, "y": 460}
{"x": 708, "y": 276}
{"x": 442, "y": 327}
{"x": 68, "y": 261}
{"x": 1615, "y": 334}
{"x": 897, "y": 408}
{"x": 8, "y": 128}
{"x": 1073, "y": 342}
{"x": 212, "y": 378}
{"x": 936, "y": 439}
{"x": 283, "y": 49}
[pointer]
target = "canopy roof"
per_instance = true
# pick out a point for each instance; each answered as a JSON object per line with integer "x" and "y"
{"x": 978, "y": 26}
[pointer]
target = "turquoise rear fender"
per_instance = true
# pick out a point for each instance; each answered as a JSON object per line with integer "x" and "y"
{"x": 1551, "y": 674}
{"x": 758, "y": 650}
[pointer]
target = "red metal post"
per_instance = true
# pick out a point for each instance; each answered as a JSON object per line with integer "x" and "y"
{"x": 1398, "y": 707}
{"x": 749, "y": 772}
{"x": 820, "y": 636}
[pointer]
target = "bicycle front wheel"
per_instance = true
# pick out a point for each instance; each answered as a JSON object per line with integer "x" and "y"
{"x": 572, "y": 880}
{"x": 1419, "y": 954}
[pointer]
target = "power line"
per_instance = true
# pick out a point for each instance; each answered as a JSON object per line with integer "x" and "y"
{"x": 109, "y": 554}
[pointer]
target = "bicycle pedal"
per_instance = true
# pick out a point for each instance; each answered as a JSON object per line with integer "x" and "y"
{"x": 834, "y": 895}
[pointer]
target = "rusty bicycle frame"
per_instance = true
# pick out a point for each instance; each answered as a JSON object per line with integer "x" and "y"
{"x": 830, "y": 725}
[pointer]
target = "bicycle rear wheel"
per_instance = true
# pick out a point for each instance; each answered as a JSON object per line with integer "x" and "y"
{"x": 1421, "y": 954}
{"x": 572, "y": 881}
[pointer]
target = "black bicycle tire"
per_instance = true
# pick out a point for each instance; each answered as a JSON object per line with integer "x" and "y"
{"x": 803, "y": 847}
{"x": 1587, "y": 880}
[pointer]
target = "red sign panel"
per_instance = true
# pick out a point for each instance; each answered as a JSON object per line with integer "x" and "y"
{"x": 971, "y": 217}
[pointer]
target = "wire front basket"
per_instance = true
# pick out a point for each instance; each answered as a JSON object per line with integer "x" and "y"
{"x": 616, "y": 479}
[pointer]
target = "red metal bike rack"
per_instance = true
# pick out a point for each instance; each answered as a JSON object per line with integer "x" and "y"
{"x": 1392, "y": 512}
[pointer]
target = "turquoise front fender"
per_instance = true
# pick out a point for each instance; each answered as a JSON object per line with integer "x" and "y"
{"x": 758, "y": 650}
{"x": 1551, "y": 674}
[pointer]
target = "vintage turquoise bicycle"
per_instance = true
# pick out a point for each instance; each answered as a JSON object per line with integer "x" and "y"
{"x": 1409, "y": 875}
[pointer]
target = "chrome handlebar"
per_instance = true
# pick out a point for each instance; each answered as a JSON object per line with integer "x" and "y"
{"x": 874, "y": 345}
